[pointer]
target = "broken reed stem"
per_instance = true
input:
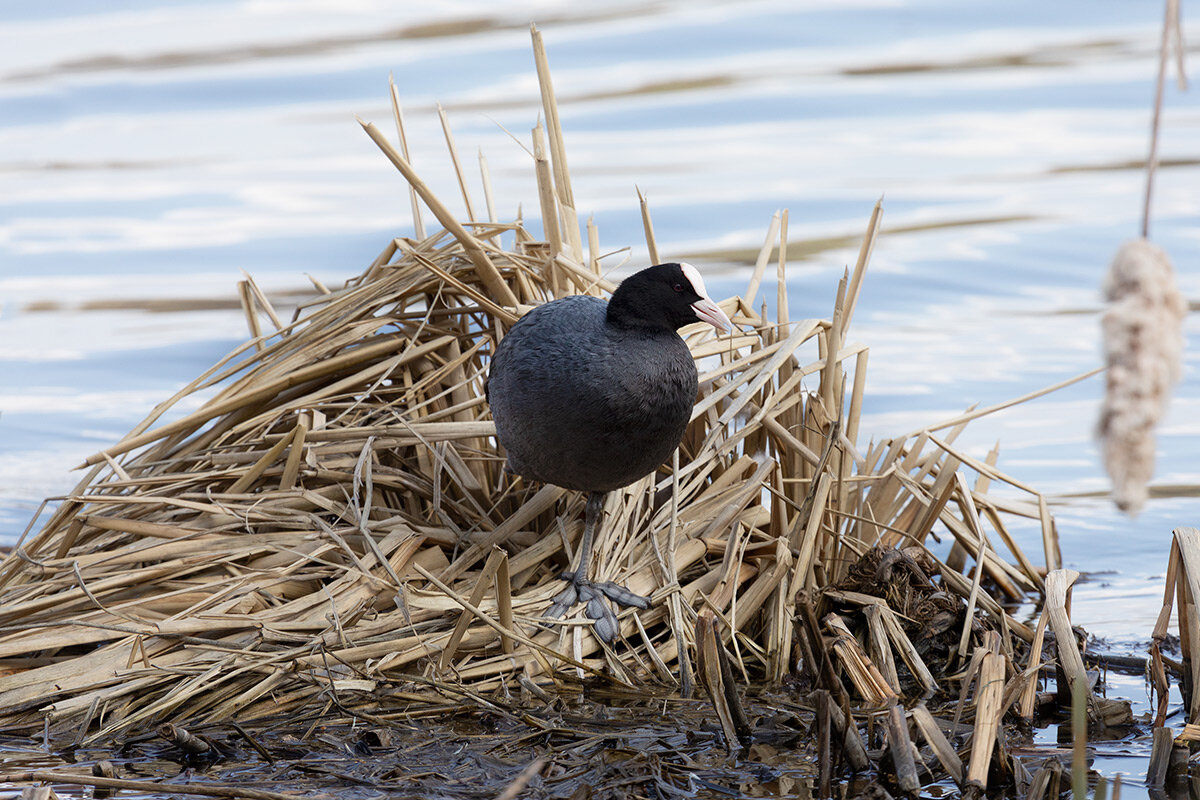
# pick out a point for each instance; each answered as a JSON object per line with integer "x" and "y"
{"x": 593, "y": 246}
{"x": 988, "y": 713}
{"x": 149, "y": 787}
{"x": 938, "y": 743}
{"x": 648, "y": 228}
{"x": 251, "y": 313}
{"x": 485, "y": 177}
{"x": 398, "y": 116}
{"x": 1025, "y": 398}
{"x": 549, "y": 204}
{"x": 760, "y": 264}
{"x": 900, "y": 745}
{"x": 1163, "y": 741}
{"x": 781, "y": 301}
{"x": 1079, "y": 767}
{"x": 1029, "y": 693}
{"x": 830, "y": 373}
{"x": 1058, "y": 585}
{"x": 514, "y": 789}
{"x": 558, "y": 149}
{"x": 262, "y": 302}
{"x": 458, "y": 170}
{"x": 860, "y": 266}
{"x": 1187, "y": 540}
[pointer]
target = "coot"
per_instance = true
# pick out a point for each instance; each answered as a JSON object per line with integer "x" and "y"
{"x": 593, "y": 395}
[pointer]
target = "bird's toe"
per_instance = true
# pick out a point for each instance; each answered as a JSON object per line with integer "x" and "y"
{"x": 605, "y": 627}
{"x": 622, "y": 596}
{"x": 563, "y": 601}
{"x": 556, "y": 610}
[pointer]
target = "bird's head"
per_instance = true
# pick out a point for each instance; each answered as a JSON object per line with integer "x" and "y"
{"x": 665, "y": 296}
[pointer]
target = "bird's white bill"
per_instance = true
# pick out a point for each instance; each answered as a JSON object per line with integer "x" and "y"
{"x": 705, "y": 308}
{"x": 711, "y": 313}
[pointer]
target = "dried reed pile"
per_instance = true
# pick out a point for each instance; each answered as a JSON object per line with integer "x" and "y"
{"x": 333, "y": 531}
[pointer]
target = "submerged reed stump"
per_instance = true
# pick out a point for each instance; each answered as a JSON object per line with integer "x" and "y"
{"x": 332, "y": 531}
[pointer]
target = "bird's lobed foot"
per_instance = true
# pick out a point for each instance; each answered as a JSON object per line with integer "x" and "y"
{"x": 580, "y": 589}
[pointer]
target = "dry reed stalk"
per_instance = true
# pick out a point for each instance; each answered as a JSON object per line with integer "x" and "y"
{"x": 549, "y": 204}
{"x": 781, "y": 304}
{"x": 987, "y": 717}
{"x": 880, "y": 646}
{"x": 248, "y": 309}
{"x": 760, "y": 264}
{"x": 1160, "y": 757}
{"x": 1079, "y": 726}
{"x": 865, "y": 676}
{"x": 648, "y": 227}
{"x": 860, "y": 265}
{"x": 717, "y": 678}
{"x": 1161, "y": 626}
{"x": 1049, "y": 538}
{"x": 908, "y": 651}
{"x": 558, "y": 150}
{"x": 335, "y": 520}
{"x": 992, "y": 409}
{"x": 937, "y": 742}
{"x": 1029, "y": 692}
{"x": 398, "y": 116}
{"x": 593, "y": 246}
{"x": 458, "y": 170}
{"x": 485, "y": 177}
{"x": 260, "y": 299}
{"x": 824, "y": 725}
{"x": 1183, "y": 586}
{"x": 901, "y": 747}
{"x": 514, "y": 789}
{"x": 1058, "y": 585}
{"x": 1047, "y": 781}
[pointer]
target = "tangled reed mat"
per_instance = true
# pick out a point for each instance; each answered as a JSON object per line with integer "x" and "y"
{"x": 330, "y": 540}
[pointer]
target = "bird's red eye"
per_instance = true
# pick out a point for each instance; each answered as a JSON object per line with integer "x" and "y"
{"x": 678, "y": 287}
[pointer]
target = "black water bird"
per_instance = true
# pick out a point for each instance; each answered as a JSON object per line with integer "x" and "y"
{"x": 593, "y": 395}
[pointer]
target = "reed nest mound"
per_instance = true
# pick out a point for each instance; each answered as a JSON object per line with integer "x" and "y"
{"x": 336, "y": 517}
{"x": 332, "y": 529}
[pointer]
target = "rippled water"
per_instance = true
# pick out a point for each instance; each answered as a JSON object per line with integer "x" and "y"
{"x": 151, "y": 151}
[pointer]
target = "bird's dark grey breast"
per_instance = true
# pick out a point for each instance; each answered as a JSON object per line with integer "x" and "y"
{"x": 583, "y": 405}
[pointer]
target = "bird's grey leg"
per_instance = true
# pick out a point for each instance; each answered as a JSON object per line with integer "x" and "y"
{"x": 591, "y": 516}
{"x": 579, "y": 588}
